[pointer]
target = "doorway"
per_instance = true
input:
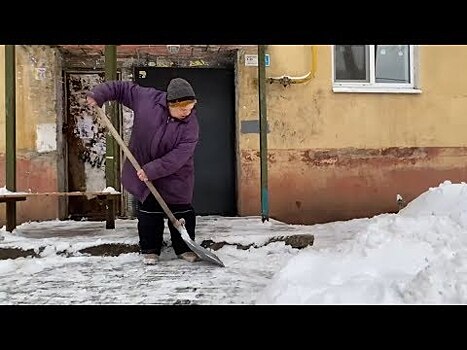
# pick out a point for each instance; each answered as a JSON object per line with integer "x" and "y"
{"x": 215, "y": 164}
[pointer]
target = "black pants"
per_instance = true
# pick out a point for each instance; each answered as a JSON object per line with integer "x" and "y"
{"x": 151, "y": 226}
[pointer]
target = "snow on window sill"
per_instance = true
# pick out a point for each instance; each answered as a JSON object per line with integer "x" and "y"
{"x": 376, "y": 90}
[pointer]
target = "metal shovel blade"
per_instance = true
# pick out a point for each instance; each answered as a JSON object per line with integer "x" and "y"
{"x": 202, "y": 253}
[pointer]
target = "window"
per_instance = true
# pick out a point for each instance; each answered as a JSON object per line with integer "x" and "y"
{"x": 374, "y": 68}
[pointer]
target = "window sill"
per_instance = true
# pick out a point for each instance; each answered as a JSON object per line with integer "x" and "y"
{"x": 376, "y": 90}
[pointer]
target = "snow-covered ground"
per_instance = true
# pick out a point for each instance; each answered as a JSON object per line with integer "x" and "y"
{"x": 416, "y": 256}
{"x": 63, "y": 275}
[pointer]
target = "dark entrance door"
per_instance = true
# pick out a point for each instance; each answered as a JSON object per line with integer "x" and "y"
{"x": 215, "y": 186}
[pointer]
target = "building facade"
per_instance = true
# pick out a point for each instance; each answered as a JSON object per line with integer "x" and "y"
{"x": 349, "y": 127}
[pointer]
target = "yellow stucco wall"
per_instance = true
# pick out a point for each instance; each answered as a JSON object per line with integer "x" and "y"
{"x": 335, "y": 156}
{"x": 38, "y": 108}
{"x": 2, "y": 99}
{"x": 36, "y": 93}
{"x": 311, "y": 115}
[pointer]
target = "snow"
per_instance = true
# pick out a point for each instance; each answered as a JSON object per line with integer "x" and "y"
{"x": 4, "y": 191}
{"x": 416, "y": 256}
{"x": 110, "y": 189}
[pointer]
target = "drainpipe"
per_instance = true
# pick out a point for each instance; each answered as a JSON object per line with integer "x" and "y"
{"x": 10, "y": 124}
{"x": 112, "y": 151}
{"x": 286, "y": 80}
{"x": 263, "y": 148}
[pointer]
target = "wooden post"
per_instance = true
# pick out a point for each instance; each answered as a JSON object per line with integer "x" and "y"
{"x": 10, "y": 123}
{"x": 112, "y": 150}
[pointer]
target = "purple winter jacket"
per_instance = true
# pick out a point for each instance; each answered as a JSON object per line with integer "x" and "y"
{"x": 162, "y": 145}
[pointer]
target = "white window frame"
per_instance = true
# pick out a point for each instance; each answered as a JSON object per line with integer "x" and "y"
{"x": 372, "y": 86}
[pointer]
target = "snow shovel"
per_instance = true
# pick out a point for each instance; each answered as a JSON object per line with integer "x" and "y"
{"x": 202, "y": 253}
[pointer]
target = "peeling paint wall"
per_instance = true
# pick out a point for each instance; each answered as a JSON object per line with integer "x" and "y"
{"x": 38, "y": 101}
{"x": 84, "y": 129}
{"x": 320, "y": 142}
{"x": 86, "y": 146}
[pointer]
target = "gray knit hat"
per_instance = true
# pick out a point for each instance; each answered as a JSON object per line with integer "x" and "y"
{"x": 179, "y": 90}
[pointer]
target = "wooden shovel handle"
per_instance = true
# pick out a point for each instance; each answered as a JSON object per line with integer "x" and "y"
{"x": 134, "y": 162}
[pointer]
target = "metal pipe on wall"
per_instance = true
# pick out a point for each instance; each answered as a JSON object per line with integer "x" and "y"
{"x": 286, "y": 80}
{"x": 263, "y": 150}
